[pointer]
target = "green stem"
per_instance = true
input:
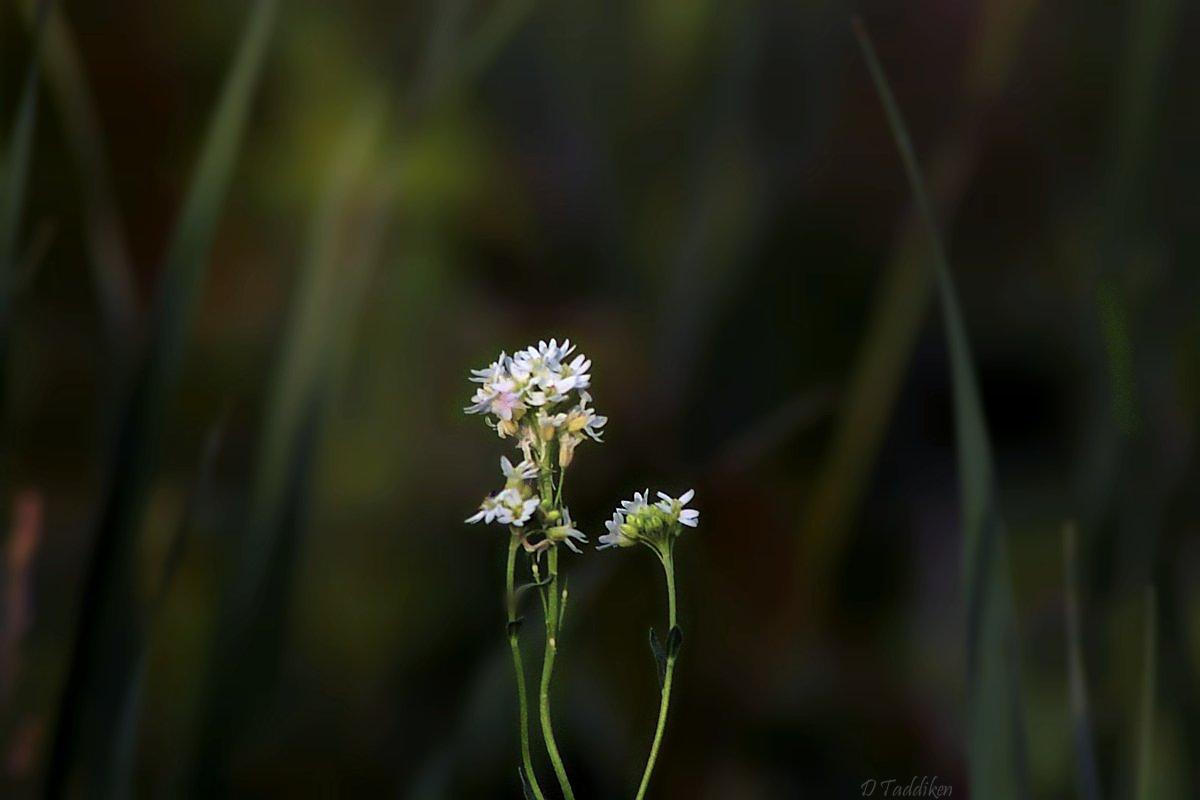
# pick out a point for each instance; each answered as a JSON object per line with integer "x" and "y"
{"x": 669, "y": 568}
{"x": 519, "y": 667}
{"x": 552, "y": 626}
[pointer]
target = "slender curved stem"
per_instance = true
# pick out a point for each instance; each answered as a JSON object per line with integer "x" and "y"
{"x": 519, "y": 667}
{"x": 669, "y": 568}
{"x": 552, "y": 626}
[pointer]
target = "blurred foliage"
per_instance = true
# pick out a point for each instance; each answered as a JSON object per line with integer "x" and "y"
{"x": 706, "y": 197}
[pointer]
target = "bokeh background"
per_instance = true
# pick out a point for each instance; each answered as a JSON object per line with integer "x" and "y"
{"x": 705, "y": 196}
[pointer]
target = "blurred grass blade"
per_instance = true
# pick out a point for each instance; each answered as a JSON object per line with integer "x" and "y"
{"x": 1118, "y": 346}
{"x": 481, "y": 47}
{"x": 1150, "y": 27}
{"x": 188, "y": 520}
{"x": 996, "y": 756}
{"x": 1145, "y": 743}
{"x": 897, "y": 313}
{"x": 105, "y": 232}
{"x": 327, "y": 299}
{"x": 451, "y": 65}
{"x": 1120, "y": 229}
{"x": 14, "y": 175}
{"x": 127, "y": 724}
{"x": 1081, "y": 722}
{"x": 109, "y": 628}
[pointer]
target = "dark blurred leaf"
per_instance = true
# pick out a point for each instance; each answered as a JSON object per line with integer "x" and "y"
{"x": 514, "y": 626}
{"x": 995, "y": 730}
{"x": 109, "y": 631}
{"x": 660, "y": 657}
{"x": 1089, "y": 780}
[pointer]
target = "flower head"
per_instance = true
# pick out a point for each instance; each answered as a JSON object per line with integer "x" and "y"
{"x": 652, "y": 524}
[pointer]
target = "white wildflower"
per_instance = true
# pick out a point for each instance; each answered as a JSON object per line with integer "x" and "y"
{"x": 637, "y": 504}
{"x": 487, "y": 511}
{"x": 516, "y": 475}
{"x": 566, "y": 532}
{"x": 615, "y": 536}
{"x": 513, "y": 508}
{"x": 674, "y": 507}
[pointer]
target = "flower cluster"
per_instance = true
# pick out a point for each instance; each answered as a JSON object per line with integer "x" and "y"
{"x": 540, "y": 396}
{"x": 653, "y": 524}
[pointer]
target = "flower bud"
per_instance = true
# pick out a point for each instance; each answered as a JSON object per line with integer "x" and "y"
{"x": 566, "y": 450}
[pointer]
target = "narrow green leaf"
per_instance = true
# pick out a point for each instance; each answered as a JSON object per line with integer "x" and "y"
{"x": 110, "y": 626}
{"x": 1145, "y": 744}
{"x": 997, "y": 763}
{"x": 660, "y": 657}
{"x": 1081, "y": 722}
